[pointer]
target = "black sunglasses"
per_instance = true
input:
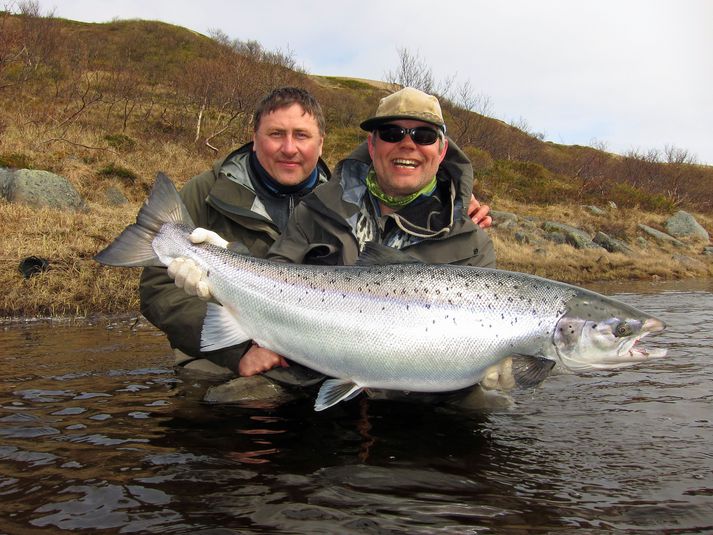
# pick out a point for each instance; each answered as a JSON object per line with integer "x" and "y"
{"x": 393, "y": 133}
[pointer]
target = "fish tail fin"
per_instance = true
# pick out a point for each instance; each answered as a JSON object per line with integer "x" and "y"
{"x": 333, "y": 391}
{"x": 134, "y": 247}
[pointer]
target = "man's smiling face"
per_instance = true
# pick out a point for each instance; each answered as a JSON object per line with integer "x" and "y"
{"x": 405, "y": 167}
{"x": 288, "y": 144}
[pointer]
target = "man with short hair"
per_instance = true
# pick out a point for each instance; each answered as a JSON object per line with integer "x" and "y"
{"x": 247, "y": 197}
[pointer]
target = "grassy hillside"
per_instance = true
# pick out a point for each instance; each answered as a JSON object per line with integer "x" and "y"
{"x": 111, "y": 104}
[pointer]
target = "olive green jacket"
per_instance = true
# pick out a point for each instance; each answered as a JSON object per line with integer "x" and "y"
{"x": 223, "y": 200}
{"x": 323, "y": 227}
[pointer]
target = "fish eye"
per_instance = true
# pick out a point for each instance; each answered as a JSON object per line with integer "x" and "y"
{"x": 623, "y": 329}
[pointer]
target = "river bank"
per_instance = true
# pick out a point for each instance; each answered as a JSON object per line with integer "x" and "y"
{"x": 74, "y": 285}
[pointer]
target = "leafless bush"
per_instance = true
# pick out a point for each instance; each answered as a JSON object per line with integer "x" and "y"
{"x": 411, "y": 71}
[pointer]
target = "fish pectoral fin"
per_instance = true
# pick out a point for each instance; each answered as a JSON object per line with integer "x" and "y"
{"x": 220, "y": 329}
{"x": 529, "y": 370}
{"x": 333, "y": 391}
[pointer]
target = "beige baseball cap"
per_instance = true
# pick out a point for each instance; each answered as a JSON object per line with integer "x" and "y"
{"x": 408, "y": 103}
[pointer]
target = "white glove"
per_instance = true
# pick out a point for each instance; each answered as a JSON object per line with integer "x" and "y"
{"x": 186, "y": 273}
{"x": 203, "y": 235}
{"x": 499, "y": 376}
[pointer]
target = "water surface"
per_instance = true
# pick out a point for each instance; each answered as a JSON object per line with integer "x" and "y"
{"x": 98, "y": 435}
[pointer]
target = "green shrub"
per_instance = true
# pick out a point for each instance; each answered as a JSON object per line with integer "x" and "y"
{"x": 527, "y": 182}
{"x": 481, "y": 159}
{"x": 15, "y": 161}
{"x": 120, "y": 142}
{"x": 630, "y": 196}
{"x": 113, "y": 170}
{"x": 348, "y": 83}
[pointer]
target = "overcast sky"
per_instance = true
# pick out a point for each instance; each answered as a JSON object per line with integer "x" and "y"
{"x": 631, "y": 74}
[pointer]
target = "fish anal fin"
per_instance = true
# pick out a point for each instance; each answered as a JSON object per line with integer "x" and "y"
{"x": 221, "y": 329}
{"x": 529, "y": 370}
{"x": 333, "y": 391}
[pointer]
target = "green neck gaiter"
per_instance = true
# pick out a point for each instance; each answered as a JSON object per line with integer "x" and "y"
{"x": 393, "y": 201}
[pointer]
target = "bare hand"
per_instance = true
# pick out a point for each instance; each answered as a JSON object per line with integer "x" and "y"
{"x": 479, "y": 213}
{"x": 499, "y": 376}
{"x": 259, "y": 360}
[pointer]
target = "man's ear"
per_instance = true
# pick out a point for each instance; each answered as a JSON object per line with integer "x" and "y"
{"x": 445, "y": 149}
{"x": 370, "y": 144}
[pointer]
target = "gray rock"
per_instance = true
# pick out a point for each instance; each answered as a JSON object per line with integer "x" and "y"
{"x": 556, "y": 237}
{"x": 5, "y": 179}
{"x": 683, "y": 225}
{"x": 115, "y": 197}
{"x": 522, "y": 237}
{"x": 41, "y": 189}
{"x": 689, "y": 263}
{"x": 257, "y": 388}
{"x": 612, "y": 244}
{"x": 708, "y": 251}
{"x": 595, "y": 210}
{"x": 505, "y": 219}
{"x": 572, "y": 235}
{"x": 661, "y": 237}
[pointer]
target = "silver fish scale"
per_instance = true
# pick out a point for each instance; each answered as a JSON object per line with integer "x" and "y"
{"x": 441, "y": 326}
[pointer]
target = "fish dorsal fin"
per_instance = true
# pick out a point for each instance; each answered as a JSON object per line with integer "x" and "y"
{"x": 333, "y": 391}
{"x": 529, "y": 371}
{"x": 221, "y": 329}
{"x": 375, "y": 254}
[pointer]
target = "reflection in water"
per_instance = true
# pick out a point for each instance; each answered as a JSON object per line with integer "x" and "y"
{"x": 98, "y": 434}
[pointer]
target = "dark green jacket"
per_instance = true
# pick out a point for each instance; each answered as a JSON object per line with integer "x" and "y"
{"x": 223, "y": 200}
{"x": 323, "y": 228}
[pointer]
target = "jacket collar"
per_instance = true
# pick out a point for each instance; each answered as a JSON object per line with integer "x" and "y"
{"x": 243, "y": 200}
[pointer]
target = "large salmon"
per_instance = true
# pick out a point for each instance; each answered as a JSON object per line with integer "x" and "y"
{"x": 402, "y": 325}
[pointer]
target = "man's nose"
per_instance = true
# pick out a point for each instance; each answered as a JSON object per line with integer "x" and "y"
{"x": 288, "y": 145}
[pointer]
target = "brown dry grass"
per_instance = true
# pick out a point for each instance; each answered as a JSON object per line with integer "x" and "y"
{"x": 74, "y": 285}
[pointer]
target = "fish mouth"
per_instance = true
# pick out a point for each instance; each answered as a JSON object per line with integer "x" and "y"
{"x": 636, "y": 354}
{"x": 632, "y": 352}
